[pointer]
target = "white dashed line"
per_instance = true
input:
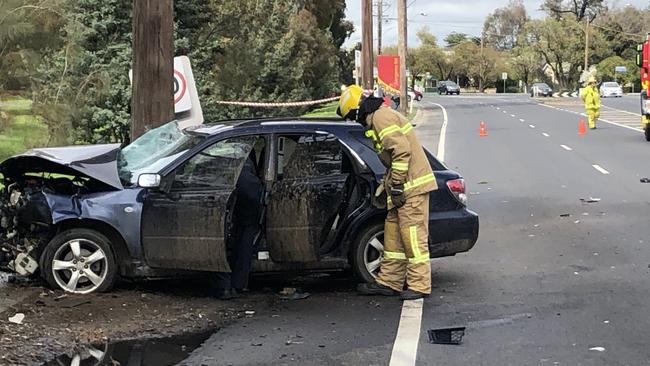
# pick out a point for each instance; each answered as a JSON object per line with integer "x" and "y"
{"x": 512, "y": 115}
{"x": 566, "y": 147}
{"x": 600, "y": 169}
{"x": 505, "y": 112}
{"x": 545, "y": 134}
{"x": 522, "y": 120}
{"x": 531, "y": 126}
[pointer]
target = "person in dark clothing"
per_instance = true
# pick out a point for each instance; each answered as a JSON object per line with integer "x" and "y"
{"x": 246, "y": 226}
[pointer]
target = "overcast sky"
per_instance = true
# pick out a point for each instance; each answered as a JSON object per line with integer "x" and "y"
{"x": 445, "y": 16}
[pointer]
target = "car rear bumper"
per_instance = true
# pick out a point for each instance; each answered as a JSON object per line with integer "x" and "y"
{"x": 452, "y": 232}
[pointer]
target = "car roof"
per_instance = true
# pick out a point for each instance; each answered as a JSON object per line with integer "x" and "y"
{"x": 215, "y": 128}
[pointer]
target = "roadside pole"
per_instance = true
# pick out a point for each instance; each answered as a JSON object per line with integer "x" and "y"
{"x": 152, "y": 102}
{"x": 367, "y": 74}
{"x": 402, "y": 50}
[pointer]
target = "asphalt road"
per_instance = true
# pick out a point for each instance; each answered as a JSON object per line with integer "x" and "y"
{"x": 550, "y": 278}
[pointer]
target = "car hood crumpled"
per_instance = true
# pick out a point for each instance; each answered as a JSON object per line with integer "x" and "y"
{"x": 98, "y": 162}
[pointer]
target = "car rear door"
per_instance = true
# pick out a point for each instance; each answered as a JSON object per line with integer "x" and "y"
{"x": 305, "y": 197}
{"x": 184, "y": 226}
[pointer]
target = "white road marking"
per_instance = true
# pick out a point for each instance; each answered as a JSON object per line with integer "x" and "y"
{"x": 512, "y": 115}
{"x": 566, "y": 147}
{"x": 505, "y": 112}
{"x": 522, "y": 120}
{"x": 531, "y": 126}
{"x": 498, "y": 108}
{"x": 546, "y": 134}
{"x": 405, "y": 348}
{"x": 600, "y": 169}
{"x": 443, "y": 134}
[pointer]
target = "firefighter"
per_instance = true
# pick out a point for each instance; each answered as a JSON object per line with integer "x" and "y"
{"x": 591, "y": 97}
{"x": 407, "y": 182}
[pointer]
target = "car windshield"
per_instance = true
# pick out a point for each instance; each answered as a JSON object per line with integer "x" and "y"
{"x": 450, "y": 83}
{"x": 610, "y": 85}
{"x": 152, "y": 151}
{"x": 542, "y": 85}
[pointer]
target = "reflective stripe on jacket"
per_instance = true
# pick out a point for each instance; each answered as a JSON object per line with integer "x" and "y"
{"x": 401, "y": 152}
{"x": 591, "y": 97}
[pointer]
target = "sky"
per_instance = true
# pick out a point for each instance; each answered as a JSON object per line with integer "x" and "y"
{"x": 444, "y": 16}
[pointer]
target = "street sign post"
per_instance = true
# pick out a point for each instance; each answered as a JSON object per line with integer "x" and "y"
{"x": 187, "y": 107}
{"x": 504, "y": 77}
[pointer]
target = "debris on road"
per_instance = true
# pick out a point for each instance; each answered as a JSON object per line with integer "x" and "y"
{"x": 291, "y": 293}
{"x": 565, "y": 215}
{"x": 17, "y": 319}
{"x": 598, "y": 349}
{"x": 590, "y": 200}
{"x": 483, "y": 182}
{"x": 645, "y": 180}
{"x": 446, "y": 335}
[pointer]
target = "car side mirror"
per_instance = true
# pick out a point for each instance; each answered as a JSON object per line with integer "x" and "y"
{"x": 149, "y": 180}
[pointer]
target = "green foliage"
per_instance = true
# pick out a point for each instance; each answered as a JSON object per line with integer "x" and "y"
{"x": 503, "y": 27}
{"x": 20, "y": 130}
{"x": 326, "y": 110}
{"x": 454, "y": 38}
{"x": 259, "y": 50}
{"x": 607, "y": 66}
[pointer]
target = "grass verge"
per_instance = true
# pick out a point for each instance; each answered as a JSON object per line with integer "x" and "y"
{"x": 326, "y": 110}
{"x": 20, "y": 130}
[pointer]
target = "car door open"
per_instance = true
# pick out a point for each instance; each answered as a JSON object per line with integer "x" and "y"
{"x": 305, "y": 197}
{"x": 184, "y": 225}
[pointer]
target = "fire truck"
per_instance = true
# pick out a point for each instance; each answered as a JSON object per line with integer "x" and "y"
{"x": 642, "y": 60}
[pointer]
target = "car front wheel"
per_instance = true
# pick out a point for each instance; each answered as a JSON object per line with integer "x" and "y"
{"x": 79, "y": 261}
{"x": 369, "y": 253}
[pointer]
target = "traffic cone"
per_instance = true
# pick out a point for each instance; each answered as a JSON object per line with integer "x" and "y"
{"x": 482, "y": 130}
{"x": 582, "y": 128}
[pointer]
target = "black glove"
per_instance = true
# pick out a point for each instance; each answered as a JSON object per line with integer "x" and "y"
{"x": 397, "y": 196}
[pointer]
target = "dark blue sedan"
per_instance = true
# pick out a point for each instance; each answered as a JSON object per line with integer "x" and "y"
{"x": 83, "y": 216}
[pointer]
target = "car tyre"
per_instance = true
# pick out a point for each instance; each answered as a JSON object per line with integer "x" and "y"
{"x": 418, "y": 98}
{"x": 368, "y": 252}
{"x": 79, "y": 261}
{"x": 646, "y": 131}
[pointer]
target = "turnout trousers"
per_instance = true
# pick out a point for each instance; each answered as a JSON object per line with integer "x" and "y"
{"x": 592, "y": 115}
{"x": 406, "y": 247}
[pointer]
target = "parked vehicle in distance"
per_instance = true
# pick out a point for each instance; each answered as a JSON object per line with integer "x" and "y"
{"x": 82, "y": 216}
{"x": 415, "y": 94}
{"x": 541, "y": 90}
{"x": 448, "y": 87}
{"x": 611, "y": 89}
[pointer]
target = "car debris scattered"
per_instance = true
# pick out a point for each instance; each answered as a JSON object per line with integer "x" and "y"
{"x": 590, "y": 200}
{"x": 645, "y": 180}
{"x": 598, "y": 349}
{"x": 291, "y": 293}
{"x": 446, "y": 335}
{"x": 17, "y": 319}
{"x": 565, "y": 215}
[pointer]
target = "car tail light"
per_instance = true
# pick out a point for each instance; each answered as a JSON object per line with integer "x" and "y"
{"x": 457, "y": 188}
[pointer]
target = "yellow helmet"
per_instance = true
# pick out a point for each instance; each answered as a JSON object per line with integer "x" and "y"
{"x": 349, "y": 100}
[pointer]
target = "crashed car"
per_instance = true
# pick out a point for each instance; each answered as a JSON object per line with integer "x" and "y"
{"x": 83, "y": 216}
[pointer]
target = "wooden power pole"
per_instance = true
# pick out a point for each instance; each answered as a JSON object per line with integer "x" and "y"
{"x": 380, "y": 15}
{"x": 367, "y": 63}
{"x": 586, "y": 44}
{"x": 402, "y": 51}
{"x": 152, "y": 102}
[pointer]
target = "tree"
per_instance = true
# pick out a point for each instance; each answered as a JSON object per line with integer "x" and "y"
{"x": 606, "y": 70}
{"x": 623, "y": 28}
{"x": 525, "y": 63}
{"x": 479, "y": 66}
{"x": 559, "y": 47}
{"x": 453, "y": 39}
{"x": 503, "y": 26}
{"x": 579, "y": 10}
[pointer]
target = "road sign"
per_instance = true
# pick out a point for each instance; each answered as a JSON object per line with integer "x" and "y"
{"x": 504, "y": 76}
{"x": 621, "y": 69}
{"x": 187, "y": 106}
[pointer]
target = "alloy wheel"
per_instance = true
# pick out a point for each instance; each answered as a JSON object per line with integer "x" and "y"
{"x": 373, "y": 253}
{"x": 80, "y": 266}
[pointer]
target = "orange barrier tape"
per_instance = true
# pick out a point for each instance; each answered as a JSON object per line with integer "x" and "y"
{"x": 278, "y": 105}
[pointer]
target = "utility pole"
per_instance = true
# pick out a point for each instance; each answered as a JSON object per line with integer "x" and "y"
{"x": 380, "y": 15}
{"x": 586, "y": 44}
{"x": 402, "y": 50}
{"x": 152, "y": 102}
{"x": 367, "y": 70}
{"x": 480, "y": 79}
